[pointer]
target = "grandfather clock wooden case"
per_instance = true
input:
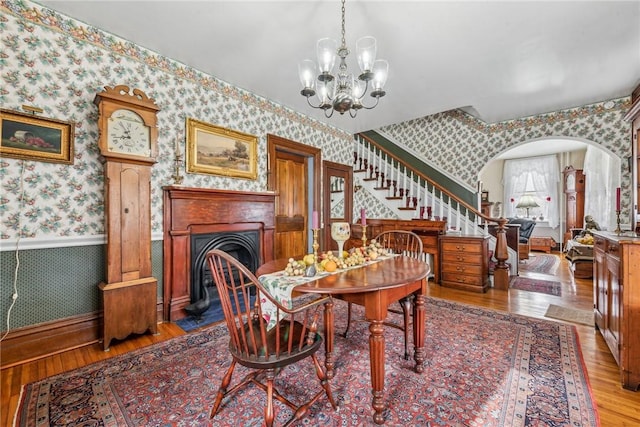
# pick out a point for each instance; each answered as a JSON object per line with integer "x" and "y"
{"x": 128, "y": 137}
{"x": 574, "y": 199}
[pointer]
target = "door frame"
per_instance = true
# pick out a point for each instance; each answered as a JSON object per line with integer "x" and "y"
{"x": 278, "y": 143}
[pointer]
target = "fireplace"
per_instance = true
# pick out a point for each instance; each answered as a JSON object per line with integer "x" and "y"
{"x": 243, "y": 246}
{"x": 196, "y": 220}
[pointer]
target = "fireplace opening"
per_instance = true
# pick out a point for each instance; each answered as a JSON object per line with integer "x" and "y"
{"x": 242, "y": 245}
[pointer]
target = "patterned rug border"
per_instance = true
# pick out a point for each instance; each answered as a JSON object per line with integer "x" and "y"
{"x": 581, "y": 405}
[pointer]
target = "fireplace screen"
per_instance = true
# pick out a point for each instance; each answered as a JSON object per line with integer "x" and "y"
{"x": 242, "y": 245}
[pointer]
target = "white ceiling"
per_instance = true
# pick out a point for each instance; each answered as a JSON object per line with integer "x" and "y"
{"x": 497, "y": 60}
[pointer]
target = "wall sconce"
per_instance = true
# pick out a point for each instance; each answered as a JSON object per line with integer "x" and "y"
{"x": 357, "y": 188}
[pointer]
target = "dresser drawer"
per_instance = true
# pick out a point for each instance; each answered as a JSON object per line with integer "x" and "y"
{"x": 461, "y": 247}
{"x": 463, "y": 279}
{"x": 475, "y": 269}
{"x": 461, "y": 257}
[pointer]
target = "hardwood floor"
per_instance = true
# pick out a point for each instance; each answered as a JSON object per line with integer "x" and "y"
{"x": 617, "y": 407}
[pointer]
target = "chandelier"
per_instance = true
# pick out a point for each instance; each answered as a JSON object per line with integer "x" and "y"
{"x": 343, "y": 92}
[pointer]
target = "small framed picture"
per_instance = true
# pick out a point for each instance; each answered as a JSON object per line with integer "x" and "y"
{"x": 29, "y": 137}
{"x": 219, "y": 151}
{"x": 484, "y": 196}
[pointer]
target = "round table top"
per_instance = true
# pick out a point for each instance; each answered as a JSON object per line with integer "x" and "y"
{"x": 385, "y": 274}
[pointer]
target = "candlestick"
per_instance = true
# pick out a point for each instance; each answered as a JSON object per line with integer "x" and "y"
{"x": 177, "y": 178}
{"x": 618, "y": 230}
{"x": 315, "y": 245}
{"x": 364, "y": 236}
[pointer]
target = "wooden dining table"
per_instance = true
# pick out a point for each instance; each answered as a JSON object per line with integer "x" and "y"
{"x": 374, "y": 286}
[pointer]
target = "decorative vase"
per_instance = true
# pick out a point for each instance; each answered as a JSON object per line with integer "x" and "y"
{"x": 340, "y": 232}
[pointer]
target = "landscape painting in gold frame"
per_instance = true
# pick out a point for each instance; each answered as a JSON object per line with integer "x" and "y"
{"x": 29, "y": 137}
{"x": 216, "y": 150}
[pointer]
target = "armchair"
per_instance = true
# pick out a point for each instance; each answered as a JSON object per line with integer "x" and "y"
{"x": 526, "y": 229}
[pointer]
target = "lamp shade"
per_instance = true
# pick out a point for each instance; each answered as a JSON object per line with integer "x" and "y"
{"x": 326, "y": 51}
{"x": 366, "y": 52}
{"x": 527, "y": 201}
{"x": 380, "y": 70}
{"x": 306, "y": 72}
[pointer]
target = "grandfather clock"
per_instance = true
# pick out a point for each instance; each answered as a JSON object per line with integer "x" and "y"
{"x": 128, "y": 138}
{"x": 574, "y": 199}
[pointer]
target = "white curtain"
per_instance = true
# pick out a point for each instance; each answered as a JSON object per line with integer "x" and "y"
{"x": 538, "y": 176}
{"x": 602, "y": 177}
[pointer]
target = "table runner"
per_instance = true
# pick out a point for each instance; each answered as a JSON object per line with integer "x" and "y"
{"x": 280, "y": 288}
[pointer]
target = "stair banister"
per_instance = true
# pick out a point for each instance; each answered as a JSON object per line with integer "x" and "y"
{"x": 501, "y": 271}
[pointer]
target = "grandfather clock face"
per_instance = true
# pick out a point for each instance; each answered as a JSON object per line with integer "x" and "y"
{"x": 128, "y": 134}
{"x": 570, "y": 183}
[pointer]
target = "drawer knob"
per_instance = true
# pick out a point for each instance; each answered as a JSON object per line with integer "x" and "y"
{"x": 460, "y": 268}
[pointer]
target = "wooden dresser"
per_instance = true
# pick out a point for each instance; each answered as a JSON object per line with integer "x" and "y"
{"x": 616, "y": 293}
{"x": 464, "y": 262}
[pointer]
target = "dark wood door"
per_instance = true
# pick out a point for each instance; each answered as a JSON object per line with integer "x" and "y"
{"x": 291, "y": 204}
{"x": 294, "y": 174}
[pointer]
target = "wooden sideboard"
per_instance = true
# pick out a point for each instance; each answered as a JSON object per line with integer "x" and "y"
{"x": 429, "y": 231}
{"x": 616, "y": 294}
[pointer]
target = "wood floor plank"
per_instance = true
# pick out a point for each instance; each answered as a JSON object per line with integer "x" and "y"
{"x": 617, "y": 407}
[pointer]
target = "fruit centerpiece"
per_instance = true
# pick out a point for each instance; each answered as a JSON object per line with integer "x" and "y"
{"x": 331, "y": 261}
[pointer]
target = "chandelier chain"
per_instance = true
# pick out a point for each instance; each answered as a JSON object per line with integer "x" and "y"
{"x": 344, "y": 42}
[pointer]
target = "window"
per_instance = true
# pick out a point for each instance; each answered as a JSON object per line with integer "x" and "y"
{"x": 530, "y": 182}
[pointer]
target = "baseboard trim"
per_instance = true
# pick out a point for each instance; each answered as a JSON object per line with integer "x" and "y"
{"x": 46, "y": 339}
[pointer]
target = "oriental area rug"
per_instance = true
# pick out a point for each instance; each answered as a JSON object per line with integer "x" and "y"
{"x": 541, "y": 263}
{"x": 536, "y": 285}
{"x": 484, "y": 368}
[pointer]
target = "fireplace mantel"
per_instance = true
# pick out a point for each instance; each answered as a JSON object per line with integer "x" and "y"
{"x": 188, "y": 211}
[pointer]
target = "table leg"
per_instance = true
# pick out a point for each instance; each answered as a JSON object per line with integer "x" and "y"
{"x": 419, "y": 318}
{"x": 376, "y": 357}
{"x": 328, "y": 338}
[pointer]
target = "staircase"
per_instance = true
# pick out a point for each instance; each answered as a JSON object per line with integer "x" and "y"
{"x": 410, "y": 194}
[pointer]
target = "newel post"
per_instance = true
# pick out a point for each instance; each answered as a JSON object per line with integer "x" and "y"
{"x": 501, "y": 270}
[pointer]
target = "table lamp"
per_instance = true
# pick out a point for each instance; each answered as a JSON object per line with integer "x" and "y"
{"x": 527, "y": 202}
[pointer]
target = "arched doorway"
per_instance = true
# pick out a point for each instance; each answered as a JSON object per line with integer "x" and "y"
{"x": 582, "y": 154}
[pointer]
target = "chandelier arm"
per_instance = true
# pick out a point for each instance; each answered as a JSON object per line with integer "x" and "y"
{"x": 353, "y": 113}
{"x": 373, "y": 106}
{"x": 324, "y": 107}
{"x": 364, "y": 92}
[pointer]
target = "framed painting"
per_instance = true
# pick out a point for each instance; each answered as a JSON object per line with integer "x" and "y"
{"x": 216, "y": 150}
{"x": 29, "y": 137}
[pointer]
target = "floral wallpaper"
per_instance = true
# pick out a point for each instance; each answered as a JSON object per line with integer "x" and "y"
{"x": 56, "y": 63}
{"x": 461, "y": 144}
